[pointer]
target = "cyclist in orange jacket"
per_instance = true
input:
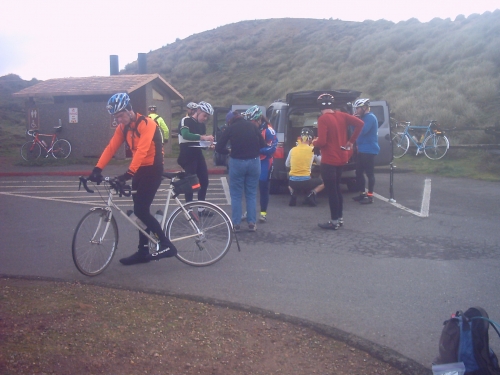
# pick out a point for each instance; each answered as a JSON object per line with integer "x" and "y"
{"x": 145, "y": 141}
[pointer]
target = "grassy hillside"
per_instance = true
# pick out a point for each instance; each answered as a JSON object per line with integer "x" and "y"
{"x": 12, "y": 116}
{"x": 443, "y": 70}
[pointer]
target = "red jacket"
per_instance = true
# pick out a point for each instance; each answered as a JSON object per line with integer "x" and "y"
{"x": 333, "y": 133}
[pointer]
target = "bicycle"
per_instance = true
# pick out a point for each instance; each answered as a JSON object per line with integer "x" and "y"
{"x": 201, "y": 238}
{"x": 433, "y": 143}
{"x": 59, "y": 148}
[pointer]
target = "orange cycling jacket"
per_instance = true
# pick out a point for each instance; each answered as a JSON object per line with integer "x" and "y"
{"x": 144, "y": 139}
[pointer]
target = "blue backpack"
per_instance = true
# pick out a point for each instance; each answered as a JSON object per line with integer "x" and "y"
{"x": 464, "y": 338}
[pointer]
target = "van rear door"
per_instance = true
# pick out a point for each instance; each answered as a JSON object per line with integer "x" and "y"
{"x": 381, "y": 110}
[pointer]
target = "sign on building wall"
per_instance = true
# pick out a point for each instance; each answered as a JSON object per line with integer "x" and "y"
{"x": 33, "y": 119}
{"x": 73, "y": 115}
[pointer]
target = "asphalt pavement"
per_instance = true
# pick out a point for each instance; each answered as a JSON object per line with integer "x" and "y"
{"x": 386, "y": 280}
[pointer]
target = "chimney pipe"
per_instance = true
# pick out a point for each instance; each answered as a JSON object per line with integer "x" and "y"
{"x": 141, "y": 61}
{"x": 113, "y": 65}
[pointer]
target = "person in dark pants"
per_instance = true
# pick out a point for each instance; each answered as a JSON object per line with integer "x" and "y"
{"x": 191, "y": 159}
{"x": 336, "y": 149}
{"x": 368, "y": 148}
{"x": 145, "y": 141}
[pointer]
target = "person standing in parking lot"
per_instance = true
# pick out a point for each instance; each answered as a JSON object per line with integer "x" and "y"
{"x": 244, "y": 166}
{"x": 191, "y": 110}
{"x": 334, "y": 143}
{"x": 255, "y": 115}
{"x": 160, "y": 122}
{"x": 368, "y": 148}
{"x": 191, "y": 157}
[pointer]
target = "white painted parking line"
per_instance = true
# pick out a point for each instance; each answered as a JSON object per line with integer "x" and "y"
{"x": 424, "y": 208}
{"x": 225, "y": 186}
{"x": 67, "y": 191}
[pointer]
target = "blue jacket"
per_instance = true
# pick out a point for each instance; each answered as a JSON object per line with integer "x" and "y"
{"x": 368, "y": 139}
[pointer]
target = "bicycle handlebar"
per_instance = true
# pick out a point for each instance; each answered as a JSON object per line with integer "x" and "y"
{"x": 119, "y": 187}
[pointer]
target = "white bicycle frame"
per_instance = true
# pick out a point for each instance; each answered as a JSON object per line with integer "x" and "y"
{"x": 111, "y": 204}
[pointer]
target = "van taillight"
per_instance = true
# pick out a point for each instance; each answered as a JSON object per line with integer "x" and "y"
{"x": 280, "y": 151}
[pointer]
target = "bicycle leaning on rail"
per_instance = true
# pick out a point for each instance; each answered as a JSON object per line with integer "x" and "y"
{"x": 433, "y": 143}
{"x": 58, "y": 148}
{"x": 201, "y": 239}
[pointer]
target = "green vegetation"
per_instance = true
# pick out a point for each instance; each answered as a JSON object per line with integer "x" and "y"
{"x": 441, "y": 70}
{"x": 12, "y": 116}
{"x": 476, "y": 164}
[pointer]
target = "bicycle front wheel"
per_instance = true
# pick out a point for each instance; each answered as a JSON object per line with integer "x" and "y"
{"x": 95, "y": 241}
{"x": 203, "y": 238}
{"x": 30, "y": 151}
{"x": 400, "y": 145}
{"x": 435, "y": 146}
{"x": 61, "y": 149}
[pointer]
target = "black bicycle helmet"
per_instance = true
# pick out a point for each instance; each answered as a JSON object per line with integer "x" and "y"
{"x": 306, "y": 134}
{"x": 325, "y": 101}
{"x": 152, "y": 108}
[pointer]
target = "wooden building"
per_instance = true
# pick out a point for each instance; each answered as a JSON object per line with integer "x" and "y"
{"x": 79, "y": 104}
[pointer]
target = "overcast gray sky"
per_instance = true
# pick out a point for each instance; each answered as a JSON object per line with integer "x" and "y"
{"x": 46, "y": 39}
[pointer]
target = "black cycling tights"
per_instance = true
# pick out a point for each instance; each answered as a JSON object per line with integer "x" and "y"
{"x": 366, "y": 165}
{"x": 331, "y": 175}
{"x": 198, "y": 166}
{"x": 146, "y": 182}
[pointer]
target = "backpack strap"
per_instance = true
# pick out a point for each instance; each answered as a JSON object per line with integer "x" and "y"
{"x": 156, "y": 119}
{"x": 494, "y": 324}
{"x": 136, "y": 132}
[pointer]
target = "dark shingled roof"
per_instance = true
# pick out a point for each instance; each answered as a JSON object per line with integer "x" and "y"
{"x": 96, "y": 86}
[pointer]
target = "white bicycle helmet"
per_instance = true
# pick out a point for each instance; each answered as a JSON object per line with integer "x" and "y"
{"x": 361, "y": 103}
{"x": 252, "y": 113}
{"x": 192, "y": 105}
{"x": 205, "y": 107}
{"x": 118, "y": 102}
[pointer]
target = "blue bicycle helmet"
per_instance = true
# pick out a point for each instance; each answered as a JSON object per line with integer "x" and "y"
{"x": 118, "y": 102}
{"x": 253, "y": 113}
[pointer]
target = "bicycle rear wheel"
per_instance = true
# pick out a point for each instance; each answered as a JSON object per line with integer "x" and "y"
{"x": 61, "y": 149}
{"x": 95, "y": 241}
{"x": 400, "y": 145}
{"x": 435, "y": 146}
{"x": 208, "y": 245}
{"x": 30, "y": 151}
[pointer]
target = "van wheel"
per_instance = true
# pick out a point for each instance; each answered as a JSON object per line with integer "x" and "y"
{"x": 351, "y": 185}
{"x": 274, "y": 187}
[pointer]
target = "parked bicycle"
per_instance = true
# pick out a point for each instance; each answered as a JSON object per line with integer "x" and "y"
{"x": 200, "y": 239}
{"x": 433, "y": 142}
{"x": 59, "y": 148}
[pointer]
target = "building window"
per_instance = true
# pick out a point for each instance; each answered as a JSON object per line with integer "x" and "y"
{"x": 157, "y": 95}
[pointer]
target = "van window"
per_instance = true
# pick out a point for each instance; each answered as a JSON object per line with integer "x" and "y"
{"x": 378, "y": 111}
{"x": 274, "y": 118}
{"x": 304, "y": 119}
